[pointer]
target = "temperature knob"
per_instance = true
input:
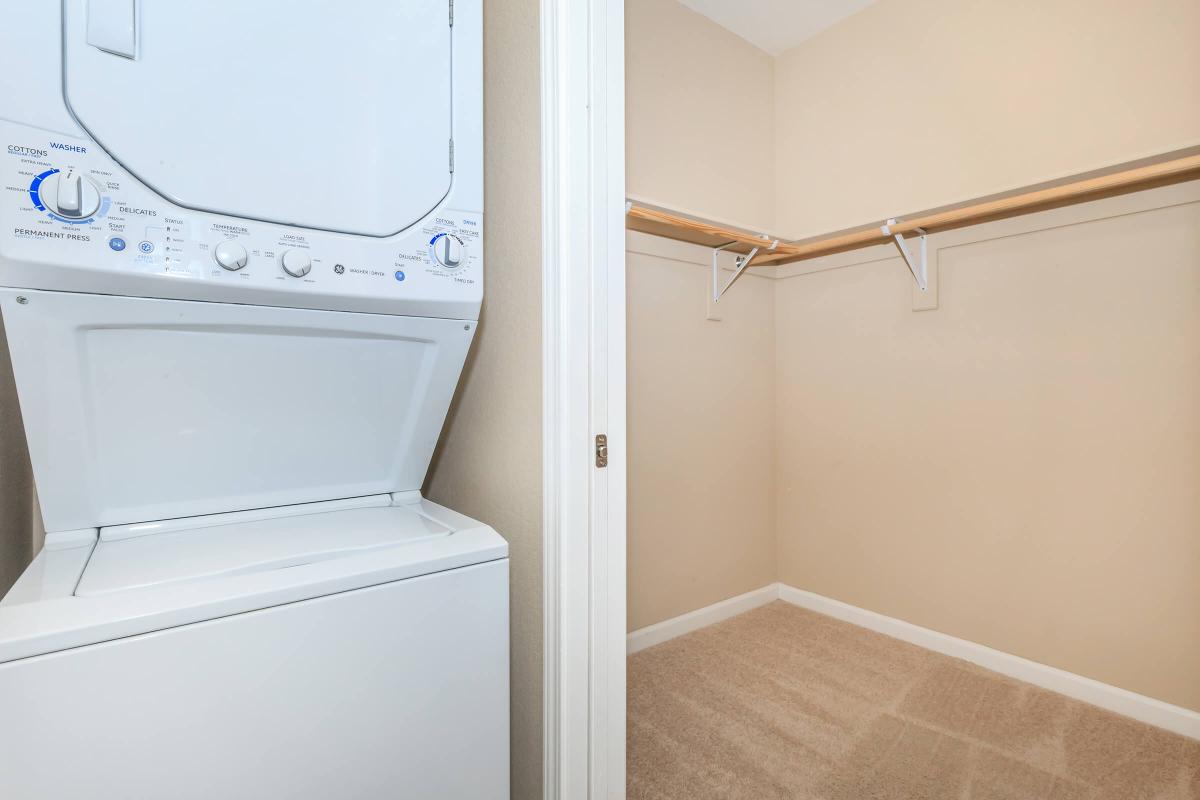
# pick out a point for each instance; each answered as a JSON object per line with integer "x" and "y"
{"x": 69, "y": 194}
{"x": 230, "y": 255}
{"x": 296, "y": 263}
{"x": 447, "y": 250}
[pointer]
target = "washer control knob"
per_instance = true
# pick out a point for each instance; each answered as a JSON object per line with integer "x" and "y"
{"x": 447, "y": 250}
{"x": 296, "y": 263}
{"x": 70, "y": 194}
{"x": 230, "y": 255}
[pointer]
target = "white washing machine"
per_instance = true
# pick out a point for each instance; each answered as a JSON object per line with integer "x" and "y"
{"x": 241, "y": 267}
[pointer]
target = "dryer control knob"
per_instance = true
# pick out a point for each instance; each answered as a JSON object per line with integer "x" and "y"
{"x": 70, "y": 194}
{"x": 230, "y": 255}
{"x": 447, "y": 250}
{"x": 296, "y": 263}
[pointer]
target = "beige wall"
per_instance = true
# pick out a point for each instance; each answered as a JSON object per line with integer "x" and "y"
{"x": 488, "y": 463}
{"x": 698, "y": 104}
{"x": 911, "y": 104}
{"x": 701, "y": 434}
{"x": 1018, "y": 468}
{"x": 20, "y": 531}
{"x": 698, "y": 138}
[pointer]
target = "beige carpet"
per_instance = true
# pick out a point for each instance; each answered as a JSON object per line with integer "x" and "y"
{"x": 784, "y": 703}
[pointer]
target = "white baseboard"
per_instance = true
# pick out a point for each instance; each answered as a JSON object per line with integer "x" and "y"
{"x": 1120, "y": 701}
{"x": 1145, "y": 709}
{"x": 700, "y": 618}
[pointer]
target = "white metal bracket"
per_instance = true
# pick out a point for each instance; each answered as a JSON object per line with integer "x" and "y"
{"x": 919, "y": 269}
{"x": 719, "y": 290}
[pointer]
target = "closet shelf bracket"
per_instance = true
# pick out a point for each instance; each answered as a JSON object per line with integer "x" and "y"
{"x": 740, "y": 264}
{"x": 919, "y": 269}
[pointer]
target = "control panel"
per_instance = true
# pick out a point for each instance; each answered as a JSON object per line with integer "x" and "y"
{"x": 74, "y": 220}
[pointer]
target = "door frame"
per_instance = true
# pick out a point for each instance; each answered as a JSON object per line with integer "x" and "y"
{"x": 583, "y": 344}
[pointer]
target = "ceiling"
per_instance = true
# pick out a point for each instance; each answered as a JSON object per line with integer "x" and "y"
{"x": 776, "y": 25}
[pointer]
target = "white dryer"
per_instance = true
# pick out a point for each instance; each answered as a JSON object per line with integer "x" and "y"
{"x": 240, "y": 270}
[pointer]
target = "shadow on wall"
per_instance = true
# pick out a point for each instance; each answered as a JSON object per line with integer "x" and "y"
{"x": 19, "y": 522}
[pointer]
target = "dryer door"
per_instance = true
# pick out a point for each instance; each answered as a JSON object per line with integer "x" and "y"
{"x": 303, "y": 112}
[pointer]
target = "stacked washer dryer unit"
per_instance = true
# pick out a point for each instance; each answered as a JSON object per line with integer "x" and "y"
{"x": 241, "y": 260}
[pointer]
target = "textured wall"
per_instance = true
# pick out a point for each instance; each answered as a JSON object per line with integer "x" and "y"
{"x": 20, "y": 531}
{"x": 698, "y": 138}
{"x": 488, "y": 464}
{"x": 1018, "y": 468}
{"x": 698, "y": 110}
{"x": 911, "y": 104}
{"x": 701, "y": 417}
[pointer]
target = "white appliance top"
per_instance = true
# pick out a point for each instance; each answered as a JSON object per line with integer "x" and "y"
{"x": 265, "y": 110}
{"x": 161, "y": 559}
{"x": 137, "y": 585}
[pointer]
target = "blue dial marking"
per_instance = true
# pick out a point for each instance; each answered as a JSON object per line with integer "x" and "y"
{"x": 57, "y": 218}
{"x": 33, "y": 189}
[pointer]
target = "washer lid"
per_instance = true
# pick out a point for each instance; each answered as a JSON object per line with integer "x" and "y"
{"x": 139, "y": 409}
{"x": 322, "y": 115}
{"x": 49, "y": 618}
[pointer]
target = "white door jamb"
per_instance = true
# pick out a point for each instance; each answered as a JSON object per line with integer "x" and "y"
{"x": 583, "y": 342}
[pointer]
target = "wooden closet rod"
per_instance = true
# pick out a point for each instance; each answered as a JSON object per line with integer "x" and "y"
{"x": 1128, "y": 178}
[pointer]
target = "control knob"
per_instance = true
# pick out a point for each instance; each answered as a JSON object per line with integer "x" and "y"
{"x": 296, "y": 263}
{"x": 447, "y": 250}
{"x": 70, "y": 194}
{"x": 230, "y": 255}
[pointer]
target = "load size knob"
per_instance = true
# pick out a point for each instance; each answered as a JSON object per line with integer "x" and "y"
{"x": 69, "y": 194}
{"x": 296, "y": 263}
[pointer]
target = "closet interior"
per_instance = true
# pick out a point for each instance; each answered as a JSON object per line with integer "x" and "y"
{"x": 914, "y": 399}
